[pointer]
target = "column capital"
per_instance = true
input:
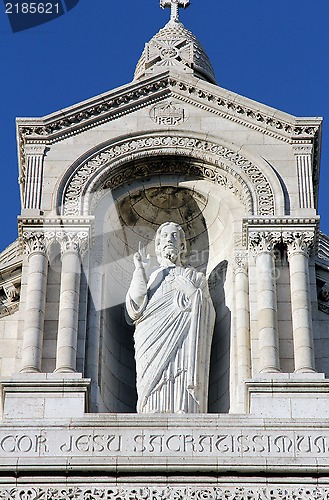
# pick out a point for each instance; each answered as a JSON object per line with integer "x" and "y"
{"x": 304, "y": 148}
{"x": 34, "y": 242}
{"x": 73, "y": 241}
{"x": 299, "y": 241}
{"x": 37, "y": 242}
{"x": 34, "y": 149}
{"x": 263, "y": 241}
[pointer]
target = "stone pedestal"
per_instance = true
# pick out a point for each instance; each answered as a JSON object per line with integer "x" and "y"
{"x": 288, "y": 396}
{"x": 45, "y": 396}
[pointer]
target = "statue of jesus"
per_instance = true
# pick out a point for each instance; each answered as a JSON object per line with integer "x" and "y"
{"x": 174, "y": 320}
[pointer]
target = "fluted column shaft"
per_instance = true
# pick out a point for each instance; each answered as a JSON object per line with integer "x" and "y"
{"x": 34, "y": 317}
{"x": 263, "y": 244}
{"x": 242, "y": 317}
{"x": 68, "y": 322}
{"x": 299, "y": 245}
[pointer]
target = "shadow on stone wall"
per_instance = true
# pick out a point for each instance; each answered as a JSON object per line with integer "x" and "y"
{"x": 219, "y": 380}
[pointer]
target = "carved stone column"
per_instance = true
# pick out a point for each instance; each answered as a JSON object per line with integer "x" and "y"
{"x": 262, "y": 244}
{"x": 242, "y": 316}
{"x": 299, "y": 245}
{"x": 73, "y": 244}
{"x": 35, "y": 246}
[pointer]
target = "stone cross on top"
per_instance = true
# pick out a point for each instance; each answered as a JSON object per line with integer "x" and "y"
{"x": 174, "y": 5}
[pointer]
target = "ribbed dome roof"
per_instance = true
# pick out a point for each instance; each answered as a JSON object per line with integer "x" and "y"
{"x": 175, "y": 46}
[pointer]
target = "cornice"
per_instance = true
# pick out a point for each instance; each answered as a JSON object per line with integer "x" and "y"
{"x": 170, "y": 84}
{"x": 51, "y": 224}
{"x": 43, "y": 222}
{"x": 244, "y": 111}
{"x": 131, "y": 97}
{"x": 279, "y": 225}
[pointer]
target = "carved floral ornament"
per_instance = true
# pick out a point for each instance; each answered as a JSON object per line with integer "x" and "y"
{"x": 299, "y": 242}
{"x": 241, "y": 262}
{"x": 296, "y": 241}
{"x": 258, "y": 196}
{"x": 141, "y": 492}
{"x": 42, "y": 241}
{"x": 263, "y": 241}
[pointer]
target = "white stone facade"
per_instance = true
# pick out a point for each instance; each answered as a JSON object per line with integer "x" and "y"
{"x": 100, "y": 177}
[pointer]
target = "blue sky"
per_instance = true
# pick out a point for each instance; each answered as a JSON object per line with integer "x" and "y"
{"x": 273, "y": 52}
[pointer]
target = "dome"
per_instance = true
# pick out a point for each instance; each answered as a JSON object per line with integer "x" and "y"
{"x": 174, "y": 46}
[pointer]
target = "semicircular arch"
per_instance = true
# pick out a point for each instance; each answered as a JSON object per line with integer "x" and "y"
{"x": 248, "y": 177}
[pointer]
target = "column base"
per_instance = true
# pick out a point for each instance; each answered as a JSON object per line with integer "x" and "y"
{"x": 45, "y": 396}
{"x": 65, "y": 369}
{"x": 270, "y": 370}
{"x": 305, "y": 370}
{"x": 30, "y": 369}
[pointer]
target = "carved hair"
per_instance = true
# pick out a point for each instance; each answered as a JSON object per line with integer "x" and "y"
{"x": 182, "y": 238}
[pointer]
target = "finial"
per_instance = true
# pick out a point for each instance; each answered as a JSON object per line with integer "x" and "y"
{"x": 174, "y": 5}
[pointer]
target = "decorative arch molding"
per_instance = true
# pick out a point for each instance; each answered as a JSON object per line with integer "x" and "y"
{"x": 215, "y": 162}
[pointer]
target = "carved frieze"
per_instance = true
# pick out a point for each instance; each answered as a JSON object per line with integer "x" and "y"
{"x": 148, "y": 492}
{"x": 225, "y": 159}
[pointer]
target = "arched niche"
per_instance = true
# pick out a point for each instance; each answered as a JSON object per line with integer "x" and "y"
{"x": 211, "y": 216}
{"x": 222, "y": 163}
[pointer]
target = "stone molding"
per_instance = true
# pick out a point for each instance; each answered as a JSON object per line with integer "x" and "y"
{"x": 142, "y": 492}
{"x": 227, "y": 160}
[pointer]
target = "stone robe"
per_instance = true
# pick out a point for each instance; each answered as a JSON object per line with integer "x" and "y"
{"x": 173, "y": 334}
